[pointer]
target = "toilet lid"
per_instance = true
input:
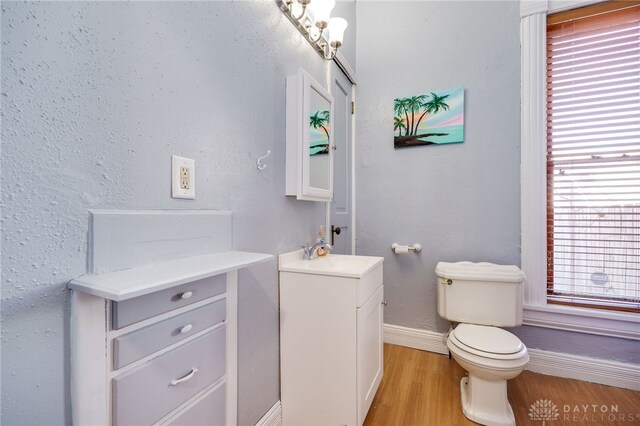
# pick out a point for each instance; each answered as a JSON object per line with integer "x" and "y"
{"x": 490, "y": 340}
{"x": 482, "y": 271}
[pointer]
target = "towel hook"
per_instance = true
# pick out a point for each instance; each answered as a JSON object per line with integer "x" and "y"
{"x": 259, "y": 164}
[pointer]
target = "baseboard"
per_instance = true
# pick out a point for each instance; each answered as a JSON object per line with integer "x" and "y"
{"x": 558, "y": 364}
{"x": 273, "y": 417}
{"x": 593, "y": 370}
{"x": 425, "y": 340}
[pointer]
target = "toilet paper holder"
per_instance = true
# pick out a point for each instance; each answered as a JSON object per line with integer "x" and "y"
{"x": 397, "y": 248}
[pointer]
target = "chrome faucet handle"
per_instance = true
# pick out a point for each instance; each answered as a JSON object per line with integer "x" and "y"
{"x": 306, "y": 251}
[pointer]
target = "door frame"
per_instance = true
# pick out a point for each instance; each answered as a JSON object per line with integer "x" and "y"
{"x": 346, "y": 69}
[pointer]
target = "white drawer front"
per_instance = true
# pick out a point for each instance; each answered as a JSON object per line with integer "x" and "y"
{"x": 369, "y": 284}
{"x": 146, "y": 394}
{"x": 140, "y": 343}
{"x": 208, "y": 411}
{"x": 139, "y": 308}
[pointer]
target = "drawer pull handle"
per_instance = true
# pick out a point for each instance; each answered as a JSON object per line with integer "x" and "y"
{"x": 186, "y": 295}
{"x": 187, "y": 328}
{"x": 192, "y": 373}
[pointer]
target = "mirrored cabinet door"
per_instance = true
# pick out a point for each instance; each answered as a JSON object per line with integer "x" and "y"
{"x": 309, "y": 159}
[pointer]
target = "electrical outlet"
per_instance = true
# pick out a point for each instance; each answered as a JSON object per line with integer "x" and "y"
{"x": 183, "y": 177}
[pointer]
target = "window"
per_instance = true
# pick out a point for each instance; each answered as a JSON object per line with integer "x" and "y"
{"x": 593, "y": 156}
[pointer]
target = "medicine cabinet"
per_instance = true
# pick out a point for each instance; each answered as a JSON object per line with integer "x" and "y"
{"x": 309, "y": 161}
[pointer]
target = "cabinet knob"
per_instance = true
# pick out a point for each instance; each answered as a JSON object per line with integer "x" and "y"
{"x": 187, "y": 328}
{"x": 186, "y": 295}
{"x": 384, "y": 302}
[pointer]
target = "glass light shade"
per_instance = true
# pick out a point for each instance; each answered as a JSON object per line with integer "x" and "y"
{"x": 296, "y": 9}
{"x": 321, "y": 10}
{"x": 336, "y": 30}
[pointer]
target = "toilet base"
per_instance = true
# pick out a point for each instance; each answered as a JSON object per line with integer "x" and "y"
{"x": 486, "y": 402}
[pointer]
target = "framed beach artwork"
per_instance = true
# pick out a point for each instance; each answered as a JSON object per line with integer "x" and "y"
{"x": 436, "y": 118}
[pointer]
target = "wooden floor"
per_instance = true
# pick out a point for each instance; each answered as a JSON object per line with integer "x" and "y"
{"x": 423, "y": 388}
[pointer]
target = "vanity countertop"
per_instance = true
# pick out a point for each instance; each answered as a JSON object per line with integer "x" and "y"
{"x": 337, "y": 265}
{"x": 134, "y": 282}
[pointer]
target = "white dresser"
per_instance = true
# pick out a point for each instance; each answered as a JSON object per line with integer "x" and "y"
{"x": 157, "y": 343}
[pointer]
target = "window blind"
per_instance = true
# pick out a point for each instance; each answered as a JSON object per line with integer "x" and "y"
{"x": 593, "y": 156}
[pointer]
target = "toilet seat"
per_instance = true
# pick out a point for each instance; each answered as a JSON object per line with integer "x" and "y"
{"x": 486, "y": 341}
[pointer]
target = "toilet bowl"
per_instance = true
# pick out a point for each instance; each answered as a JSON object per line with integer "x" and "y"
{"x": 491, "y": 356}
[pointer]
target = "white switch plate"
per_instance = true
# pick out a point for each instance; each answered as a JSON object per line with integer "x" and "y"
{"x": 183, "y": 177}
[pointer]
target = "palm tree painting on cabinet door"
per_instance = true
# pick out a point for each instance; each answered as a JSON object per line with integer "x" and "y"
{"x": 319, "y": 141}
{"x": 433, "y": 119}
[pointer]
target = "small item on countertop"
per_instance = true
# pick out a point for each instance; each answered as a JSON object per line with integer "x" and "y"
{"x": 321, "y": 251}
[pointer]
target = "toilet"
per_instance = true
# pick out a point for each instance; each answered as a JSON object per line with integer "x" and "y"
{"x": 481, "y": 297}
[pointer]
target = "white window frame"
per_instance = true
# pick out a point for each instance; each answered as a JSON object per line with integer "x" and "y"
{"x": 533, "y": 201}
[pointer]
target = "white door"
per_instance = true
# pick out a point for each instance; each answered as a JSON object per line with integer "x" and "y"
{"x": 340, "y": 229}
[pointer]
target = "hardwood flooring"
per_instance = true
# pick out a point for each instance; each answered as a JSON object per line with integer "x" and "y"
{"x": 423, "y": 388}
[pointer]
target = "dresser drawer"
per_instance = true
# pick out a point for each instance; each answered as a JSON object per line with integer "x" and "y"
{"x": 148, "y": 393}
{"x": 139, "y": 308}
{"x": 208, "y": 411}
{"x": 140, "y": 343}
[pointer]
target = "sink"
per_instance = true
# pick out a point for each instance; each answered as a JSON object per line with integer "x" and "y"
{"x": 337, "y": 265}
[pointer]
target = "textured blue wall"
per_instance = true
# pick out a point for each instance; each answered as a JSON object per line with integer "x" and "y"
{"x": 96, "y": 97}
{"x": 460, "y": 201}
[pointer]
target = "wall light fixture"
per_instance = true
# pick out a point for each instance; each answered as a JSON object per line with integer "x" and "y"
{"x": 313, "y": 19}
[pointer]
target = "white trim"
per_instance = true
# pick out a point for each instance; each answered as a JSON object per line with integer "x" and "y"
{"x": 414, "y": 338}
{"x": 352, "y": 142}
{"x": 273, "y": 417}
{"x": 533, "y": 195}
{"x": 343, "y": 64}
{"x": 89, "y": 395}
{"x": 353, "y": 170}
{"x": 533, "y": 189}
{"x": 595, "y": 370}
{"x": 592, "y": 370}
{"x": 582, "y": 320}
{"x": 531, "y": 7}
{"x": 231, "y": 409}
{"x": 562, "y": 5}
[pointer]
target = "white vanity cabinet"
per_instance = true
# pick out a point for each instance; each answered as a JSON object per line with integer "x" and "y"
{"x": 331, "y": 312}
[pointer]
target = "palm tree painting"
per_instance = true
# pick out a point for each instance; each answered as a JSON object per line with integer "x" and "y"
{"x": 433, "y": 119}
{"x": 319, "y": 137}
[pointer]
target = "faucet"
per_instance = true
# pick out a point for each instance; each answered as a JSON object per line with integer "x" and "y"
{"x": 310, "y": 251}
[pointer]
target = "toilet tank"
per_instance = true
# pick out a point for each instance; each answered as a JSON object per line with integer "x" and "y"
{"x": 480, "y": 293}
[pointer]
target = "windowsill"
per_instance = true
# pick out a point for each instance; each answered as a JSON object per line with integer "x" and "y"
{"x": 625, "y": 325}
